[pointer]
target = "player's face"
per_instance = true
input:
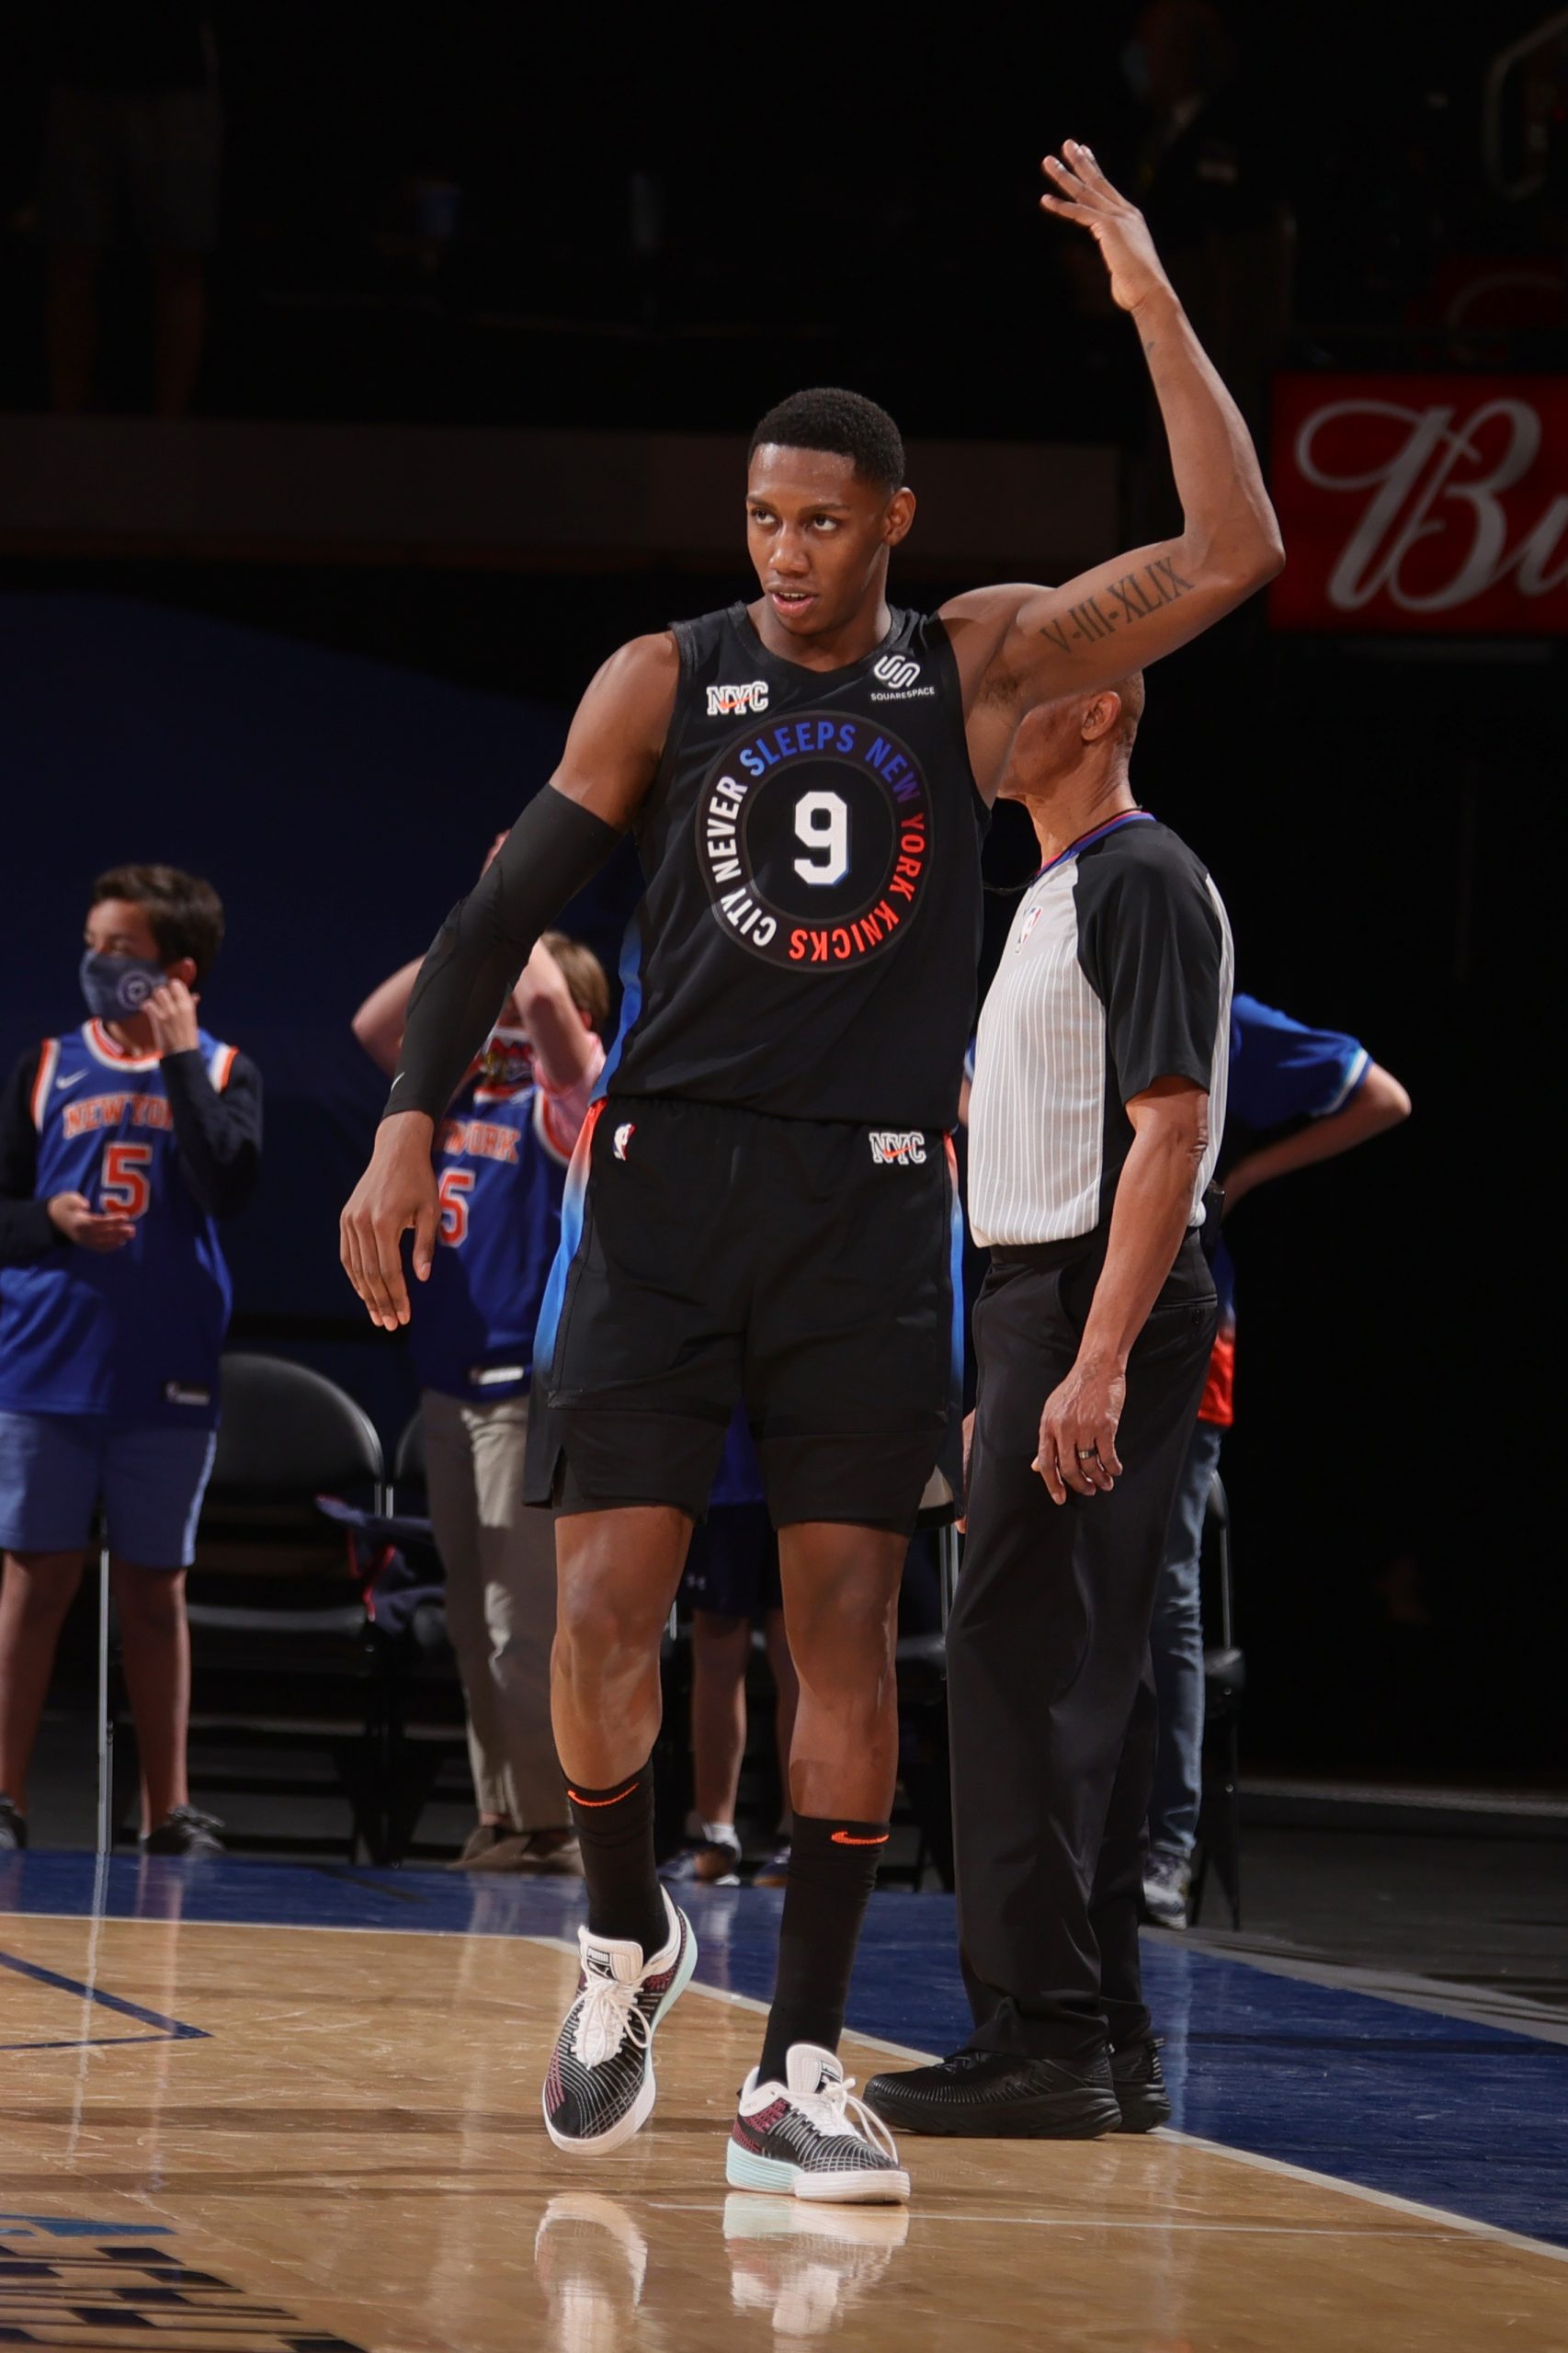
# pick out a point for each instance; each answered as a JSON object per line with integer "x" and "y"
{"x": 120, "y": 928}
{"x": 818, "y": 535}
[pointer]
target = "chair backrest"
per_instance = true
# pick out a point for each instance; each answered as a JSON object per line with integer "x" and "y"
{"x": 1217, "y": 1550}
{"x": 289, "y": 1433}
{"x": 409, "y": 1464}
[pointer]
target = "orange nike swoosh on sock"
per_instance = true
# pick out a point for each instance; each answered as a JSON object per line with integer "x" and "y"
{"x": 626, "y": 1792}
{"x": 844, "y": 1839}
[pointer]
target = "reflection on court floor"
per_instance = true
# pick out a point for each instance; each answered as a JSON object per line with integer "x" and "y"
{"x": 222, "y": 2132}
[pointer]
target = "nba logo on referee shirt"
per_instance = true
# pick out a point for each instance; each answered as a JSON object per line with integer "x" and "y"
{"x": 623, "y": 1136}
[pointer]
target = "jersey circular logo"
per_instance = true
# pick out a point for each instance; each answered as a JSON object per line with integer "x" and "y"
{"x": 814, "y": 834}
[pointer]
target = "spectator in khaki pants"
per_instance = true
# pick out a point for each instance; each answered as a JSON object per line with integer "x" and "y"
{"x": 501, "y": 1154}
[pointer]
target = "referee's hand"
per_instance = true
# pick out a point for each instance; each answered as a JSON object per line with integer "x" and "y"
{"x": 1077, "y": 1433}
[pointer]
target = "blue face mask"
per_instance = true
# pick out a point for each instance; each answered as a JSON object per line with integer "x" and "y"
{"x": 116, "y": 987}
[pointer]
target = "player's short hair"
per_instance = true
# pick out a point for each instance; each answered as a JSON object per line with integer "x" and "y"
{"x": 185, "y": 911}
{"x": 845, "y": 423}
{"x": 584, "y": 976}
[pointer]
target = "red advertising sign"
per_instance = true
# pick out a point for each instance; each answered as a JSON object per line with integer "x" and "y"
{"x": 1421, "y": 503}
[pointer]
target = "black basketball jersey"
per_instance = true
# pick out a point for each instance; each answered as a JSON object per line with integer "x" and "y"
{"x": 808, "y": 941}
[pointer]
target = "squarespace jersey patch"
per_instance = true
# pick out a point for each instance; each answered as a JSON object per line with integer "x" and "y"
{"x": 814, "y": 837}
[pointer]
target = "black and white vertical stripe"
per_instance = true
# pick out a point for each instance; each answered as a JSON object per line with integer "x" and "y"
{"x": 1118, "y": 970}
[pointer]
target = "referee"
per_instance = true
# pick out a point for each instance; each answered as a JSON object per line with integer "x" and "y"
{"x": 1094, "y": 1125}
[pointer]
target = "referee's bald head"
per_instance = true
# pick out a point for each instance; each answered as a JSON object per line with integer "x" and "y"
{"x": 1059, "y": 738}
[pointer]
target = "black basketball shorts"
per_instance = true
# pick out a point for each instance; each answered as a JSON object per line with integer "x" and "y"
{"x": 709, "y": 1254}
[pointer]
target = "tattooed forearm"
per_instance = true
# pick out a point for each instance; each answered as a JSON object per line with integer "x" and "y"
{"x": 1130, "y": 600}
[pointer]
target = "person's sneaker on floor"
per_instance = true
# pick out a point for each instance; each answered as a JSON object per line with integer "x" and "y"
{"x": 599, "y": 2089}
{"x": 183, "y": 1831}
{"x": 591, "y": 2259}
{"x": 995, "y": 2096}
{"x": 807, "y": 2136}
{"x": 13, "y": 1827}
{"x": 711, "y": 1856}
{"x": 1139, "y": 2087}
{"x": 482, "y": 1840}
{"x": 774, "y": 1870}
{"x": 1167, "y": 1888}
{"x": 805, "y": 2266}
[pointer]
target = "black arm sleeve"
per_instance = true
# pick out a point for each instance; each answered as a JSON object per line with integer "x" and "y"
{"x": 26, "y": 1233}
{"x": 554, "y": 847}
{"x": 1153, "y": 951}
{"x": 219, "y": 1136}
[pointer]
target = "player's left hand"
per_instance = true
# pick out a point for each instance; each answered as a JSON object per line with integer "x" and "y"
{"x": 171, "y": 1010}
{"x": 1084, "y": 195}
{"x": 1077, "y": 1433}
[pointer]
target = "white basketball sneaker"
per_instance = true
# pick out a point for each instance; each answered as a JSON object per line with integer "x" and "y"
{"x": 600, "y": 2089}
{"x": 807, "y": 2136}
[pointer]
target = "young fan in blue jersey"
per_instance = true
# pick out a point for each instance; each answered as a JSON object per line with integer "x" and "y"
{"x": 501, "y": 1154}
{"x": 1296, "y": 1095}
{"x": 123, "y": 1144}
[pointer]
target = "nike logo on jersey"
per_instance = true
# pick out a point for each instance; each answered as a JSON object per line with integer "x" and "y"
{"x": 898, "y": 1148}
{"x": 74, "y": 1080}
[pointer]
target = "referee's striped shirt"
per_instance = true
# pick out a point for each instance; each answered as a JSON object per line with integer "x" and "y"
{"x": 1118, "y": 971}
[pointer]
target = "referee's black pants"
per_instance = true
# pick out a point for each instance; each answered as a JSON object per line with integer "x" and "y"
{"x": 1050, "y": 1690}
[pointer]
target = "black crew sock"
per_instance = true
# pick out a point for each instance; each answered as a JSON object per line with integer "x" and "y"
{"x": 615, "y": 1827}
{"x": 833, "y": 1866}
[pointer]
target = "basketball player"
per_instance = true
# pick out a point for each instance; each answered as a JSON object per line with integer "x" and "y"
{"x": 765, "y": 1205}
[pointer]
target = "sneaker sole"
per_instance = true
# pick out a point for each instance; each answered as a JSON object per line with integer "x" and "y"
{"x": 642, "y": 2107}
{"x": 743, "y": 2170}
{"x": 1143, "y": 2112}
{"x": 1069, "y": 2115}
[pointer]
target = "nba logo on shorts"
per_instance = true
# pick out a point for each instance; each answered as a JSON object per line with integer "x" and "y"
{"x": 623, "y": 1136}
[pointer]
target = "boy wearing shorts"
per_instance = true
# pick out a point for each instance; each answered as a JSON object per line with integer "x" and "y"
{"x": 122, "y": 1144}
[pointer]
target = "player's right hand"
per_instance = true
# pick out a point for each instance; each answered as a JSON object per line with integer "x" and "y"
{"x": 1084, "y": 195}
{"x": 74, "y": 1215}
{"x": 396, "y": 1192}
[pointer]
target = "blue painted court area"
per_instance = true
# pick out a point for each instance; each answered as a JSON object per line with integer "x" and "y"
{"x": 1470, "y": 2119}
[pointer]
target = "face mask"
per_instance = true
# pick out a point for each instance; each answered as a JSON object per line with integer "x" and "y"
{"x": 116, "y": 987}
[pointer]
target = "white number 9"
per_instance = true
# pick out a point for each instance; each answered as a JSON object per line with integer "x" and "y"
{"x": 822, "y": 821}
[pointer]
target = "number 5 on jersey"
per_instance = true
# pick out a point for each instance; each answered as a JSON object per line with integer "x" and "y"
{"x": 125, "y": 1188}
{"x": 456, "y": 1186}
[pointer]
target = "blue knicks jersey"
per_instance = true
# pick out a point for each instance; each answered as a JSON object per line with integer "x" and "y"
{"x": 134, "y": 1333}
{"x": 501, "y": 1165}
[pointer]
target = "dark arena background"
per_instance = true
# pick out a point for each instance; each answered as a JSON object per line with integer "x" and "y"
{"x": 307, "y": 552}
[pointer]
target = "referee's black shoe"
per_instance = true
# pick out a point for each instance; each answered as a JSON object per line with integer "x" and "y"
{"x": 1139, "y": 2087}
{"x": 995, "y": 2095}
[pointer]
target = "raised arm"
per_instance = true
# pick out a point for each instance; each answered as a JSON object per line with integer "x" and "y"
{"x": 1020, "y": 645}
{"x": 557, "y": 844}
{"x": 378, "y": 1025}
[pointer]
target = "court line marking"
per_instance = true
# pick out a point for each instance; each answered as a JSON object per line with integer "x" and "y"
{"x": 1468, "y": 2225}
{"x": 169, "y": 2029}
